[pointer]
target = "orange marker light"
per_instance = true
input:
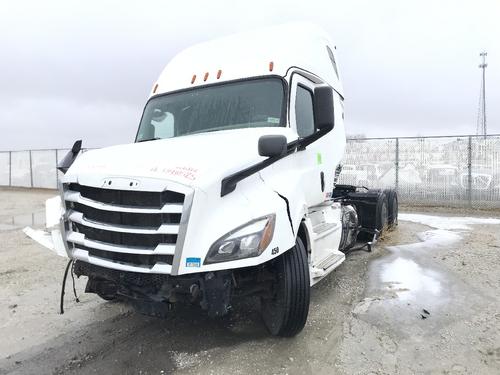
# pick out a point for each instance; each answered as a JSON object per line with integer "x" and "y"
{"x": 219, "y": 73}
{"x": 193, "y": 79}
{"x": 206, "y": 76}
{"x": 271, "y": 66}
{"x": 155, "y": 88}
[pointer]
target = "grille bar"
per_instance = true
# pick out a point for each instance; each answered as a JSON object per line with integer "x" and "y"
{"x": 132, "y": 259}
{"x": 125, "y": 218}
{"x": 77, "y": 217}
{"x": 76, "y": 197}
{"x": 158, "y": 268}
{"x": 79, "y": 239}
{"x": 125, "y": 239}
{"x": 131, "y": 198}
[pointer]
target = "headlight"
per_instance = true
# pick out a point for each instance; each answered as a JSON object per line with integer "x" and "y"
{"x": 247, "y": 241}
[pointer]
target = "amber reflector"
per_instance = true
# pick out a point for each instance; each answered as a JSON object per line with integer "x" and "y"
{"x": 206, "y": 76}
{"x": 155, "y": 88}
{"x": 271, "y": 66}
{"x": 193, "y": 79}
{"x": 219, "y": 73}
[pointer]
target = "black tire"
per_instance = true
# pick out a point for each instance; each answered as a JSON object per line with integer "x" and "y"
{"x": 392, "y": 207}
{"x": 286, "y": 313}
{"x": 382, "y": 213}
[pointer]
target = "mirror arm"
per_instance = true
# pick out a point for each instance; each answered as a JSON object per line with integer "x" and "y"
{"x": 229, "y": 183}
{"x": 306, "y": 141}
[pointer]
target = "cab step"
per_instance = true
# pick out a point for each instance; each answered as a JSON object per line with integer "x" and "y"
{"x": 324, "y": 229}
{"x": 326, "y": 265}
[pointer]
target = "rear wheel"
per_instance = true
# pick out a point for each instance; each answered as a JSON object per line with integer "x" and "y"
{"x": 382, "y": 213}
{"x": 285, "y": 314}
{"x": 392, "y": 207}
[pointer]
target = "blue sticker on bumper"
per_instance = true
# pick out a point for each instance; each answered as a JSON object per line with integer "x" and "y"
{"x": 193, "y": 262}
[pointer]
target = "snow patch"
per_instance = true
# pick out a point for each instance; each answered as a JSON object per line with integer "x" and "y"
{"x": 439, "y": 237}
{"x": 446, "y": 222}
{"x": 429, "y": 239}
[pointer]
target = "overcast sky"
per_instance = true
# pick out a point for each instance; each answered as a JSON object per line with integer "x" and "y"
{"x": 84, "y": 69}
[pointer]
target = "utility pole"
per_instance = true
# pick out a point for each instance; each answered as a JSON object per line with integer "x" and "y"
{"x": 481, "y": 114}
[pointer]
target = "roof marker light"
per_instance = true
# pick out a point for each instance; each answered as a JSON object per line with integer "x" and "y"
{"x": 219, "y": 73}
{"x": 193, "y": 79}
{"x": 155, "y": 88}
{"x": 206, "y": 76}
{"x": 271, "y": 66}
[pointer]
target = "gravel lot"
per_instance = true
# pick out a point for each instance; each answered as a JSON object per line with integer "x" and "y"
{"x": 366, "y": 318}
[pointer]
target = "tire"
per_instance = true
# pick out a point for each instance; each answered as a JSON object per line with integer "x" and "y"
{"x": 392, "y": 207}
{"x": 285, "y": 314}
{"x": 382, "y": 220}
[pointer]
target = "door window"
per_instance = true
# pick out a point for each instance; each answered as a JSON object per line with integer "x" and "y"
{"x": 304, "y": 114}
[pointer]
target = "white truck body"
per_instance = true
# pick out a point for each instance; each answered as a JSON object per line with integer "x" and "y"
{"x": 293, "y": 193}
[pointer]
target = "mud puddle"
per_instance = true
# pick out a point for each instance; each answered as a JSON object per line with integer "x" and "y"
{"x": 410, "y": 286}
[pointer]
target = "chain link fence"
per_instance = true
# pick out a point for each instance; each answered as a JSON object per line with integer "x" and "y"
{"x": 31, "y": 168}
{"x": 459, "y": 171}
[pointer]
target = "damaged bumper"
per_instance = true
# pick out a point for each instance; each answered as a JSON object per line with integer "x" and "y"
{"x": 52, "y": 237}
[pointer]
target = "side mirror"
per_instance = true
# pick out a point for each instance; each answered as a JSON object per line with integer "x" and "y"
{"x": 272, "y": 145}
{"x": 323, "y": 108}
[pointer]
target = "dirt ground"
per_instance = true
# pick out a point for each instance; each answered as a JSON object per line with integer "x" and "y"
{"x": 367, "y": 317}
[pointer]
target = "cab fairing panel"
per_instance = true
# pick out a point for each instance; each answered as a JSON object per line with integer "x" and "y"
{"x": 248, "y": 54}
{"x": 213, "y": 216}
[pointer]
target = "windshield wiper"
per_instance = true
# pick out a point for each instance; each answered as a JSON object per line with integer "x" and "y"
{"x": 149, "y": 139}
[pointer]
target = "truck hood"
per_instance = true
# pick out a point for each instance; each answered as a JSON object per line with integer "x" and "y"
{"x": 197, "y": 160}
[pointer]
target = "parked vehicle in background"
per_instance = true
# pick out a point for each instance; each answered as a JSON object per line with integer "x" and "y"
{"x": 353, "y": 175}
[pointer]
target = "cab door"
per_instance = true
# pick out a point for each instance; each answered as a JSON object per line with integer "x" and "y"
{"x": 307, "y": 162}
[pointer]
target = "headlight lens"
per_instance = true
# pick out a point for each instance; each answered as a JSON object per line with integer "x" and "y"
{"x": 247, "y": 241}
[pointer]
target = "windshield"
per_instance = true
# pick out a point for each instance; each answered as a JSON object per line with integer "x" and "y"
{"x": 235, "y": 105}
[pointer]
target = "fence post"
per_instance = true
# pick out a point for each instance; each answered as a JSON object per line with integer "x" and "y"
{"x": 57, "y": 174}
{"x": 469, "y": 172}
{"x": 31, "y": 170}
{"x": 396, "y": 164}
{"x": 10, "y": 168}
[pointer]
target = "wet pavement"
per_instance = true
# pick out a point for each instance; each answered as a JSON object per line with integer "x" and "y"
{"x": 424, "y": 315}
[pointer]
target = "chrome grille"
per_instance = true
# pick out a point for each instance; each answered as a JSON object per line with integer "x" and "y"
{"x": 121, "y": 229}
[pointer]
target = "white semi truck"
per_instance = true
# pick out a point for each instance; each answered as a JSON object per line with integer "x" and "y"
{"x": 228, "y": 190}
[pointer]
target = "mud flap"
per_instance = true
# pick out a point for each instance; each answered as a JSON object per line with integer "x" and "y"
{"x": 50, "y": 238}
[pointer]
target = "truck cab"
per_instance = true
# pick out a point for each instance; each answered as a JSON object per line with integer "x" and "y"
{"x": 228, "y": 189}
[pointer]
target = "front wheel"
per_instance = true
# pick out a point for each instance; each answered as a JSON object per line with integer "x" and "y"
{"x": 285, "y": 313}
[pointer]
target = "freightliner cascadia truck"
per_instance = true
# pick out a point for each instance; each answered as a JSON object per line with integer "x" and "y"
{"x": 229, "y": 189}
